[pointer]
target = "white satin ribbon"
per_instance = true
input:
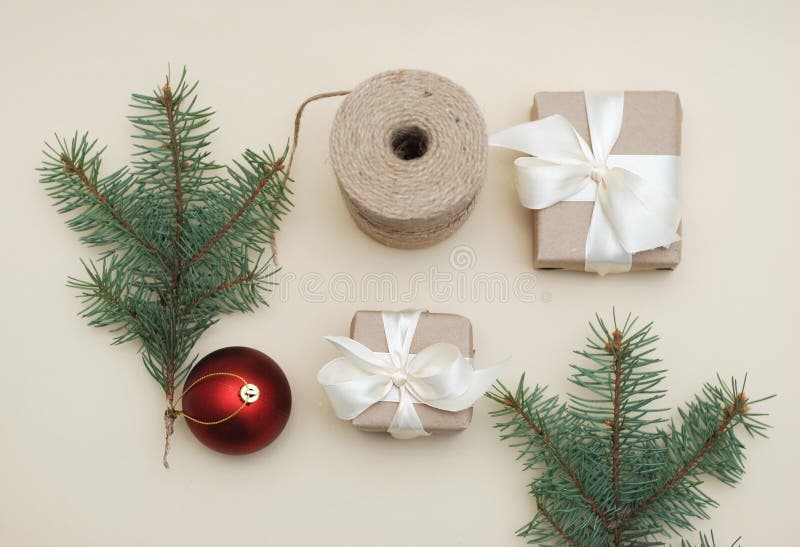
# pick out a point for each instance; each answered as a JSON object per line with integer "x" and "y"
{"x": 438, "y": 376}
{"x": 635, "y": 197}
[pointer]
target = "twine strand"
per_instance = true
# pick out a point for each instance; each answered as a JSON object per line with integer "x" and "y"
{"x": 293, "y": 148}
{"x": 299, "y": 116}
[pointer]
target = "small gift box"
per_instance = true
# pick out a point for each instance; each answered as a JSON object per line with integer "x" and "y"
{"x": 603, "y": 179}
{"x": 408, "y": 373}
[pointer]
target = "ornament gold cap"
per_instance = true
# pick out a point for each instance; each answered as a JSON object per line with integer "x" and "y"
{"x": 249, "y": 393}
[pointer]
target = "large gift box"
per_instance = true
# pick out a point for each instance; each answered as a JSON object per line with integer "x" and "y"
{"x": 408, "y": 373}
{"x": 651, "y": 124}
{"x": 606, "y": 201}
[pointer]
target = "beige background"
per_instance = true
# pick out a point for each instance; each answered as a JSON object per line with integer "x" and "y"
{"x": 80, "y": 421}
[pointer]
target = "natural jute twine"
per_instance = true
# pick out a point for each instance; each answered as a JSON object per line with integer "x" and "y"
{"x": 409, "y": 150}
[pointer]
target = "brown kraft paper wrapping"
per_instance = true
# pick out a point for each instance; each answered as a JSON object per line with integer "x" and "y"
{"x": 367, "y": 328}
{"x": 651, "y": 124}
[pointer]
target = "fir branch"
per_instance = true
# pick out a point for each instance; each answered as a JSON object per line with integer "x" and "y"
{"x": 520, "y": 407}
{"x": 180, "y": 245}
{"x": 610, "y": 472}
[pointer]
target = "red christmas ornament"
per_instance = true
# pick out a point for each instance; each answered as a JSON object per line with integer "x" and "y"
{"x": 236, "y": 400}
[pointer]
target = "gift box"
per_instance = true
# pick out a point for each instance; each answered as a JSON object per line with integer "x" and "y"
{"x": 651, "y": 125}
{"x": 367, "y": 328}
{"x": 408, "y": 373}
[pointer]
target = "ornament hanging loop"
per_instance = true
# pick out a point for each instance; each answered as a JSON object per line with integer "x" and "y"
{"x": 249, "y": 393}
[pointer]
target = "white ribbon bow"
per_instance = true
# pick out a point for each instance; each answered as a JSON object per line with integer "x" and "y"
{"x": 438, "y": 376}
{"x": 635, "y": 196}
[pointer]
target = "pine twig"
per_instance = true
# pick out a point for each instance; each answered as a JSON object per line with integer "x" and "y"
{"x": 542, "y": 510}
{"x": 513, "y": 404}
{"x": 613, "y": 473}
{"x": 225, "y": 285}
{"x": 270, "y": 171}
{"x": 729, "y": 414}
{"x": 80, "y": 173}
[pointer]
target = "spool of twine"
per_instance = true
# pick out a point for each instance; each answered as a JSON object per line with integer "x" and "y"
{"x": 409, "y": 149}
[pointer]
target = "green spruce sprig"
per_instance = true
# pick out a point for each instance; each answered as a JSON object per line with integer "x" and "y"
{"x": 179, "y": 242}
{"x": 610, "y": 468}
